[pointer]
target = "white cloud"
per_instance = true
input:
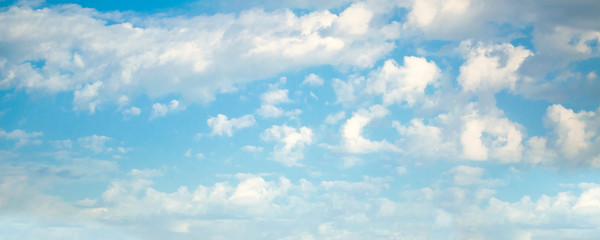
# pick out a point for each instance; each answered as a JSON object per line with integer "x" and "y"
{"x": 132, "y": 111}
{"x": 254, "y": 190}
{"x": 425, "y": 141}
{"x": 269, "y": 111}
{"x": 352, "y": 139}
{"x": 275, "y": 97}
{"x": 351, "y": 161}
{"x": 87, "y": 97}
{"x": 355, "y": 19}
{"x": 347, "y": 91}
{"x": 23, "y": 138}
{"x": 335, "y": 117}
{"x": 401, "y": 170}
{"x": 570, "y": 129}
{"x": 161, "y": 110}
{"x": 61, "y": 144}
{"x": 313, "y": 80}
{"x": 399, "y": 84}
{"x": 573, "y": 141}
{"x": 491, "y": 136}
{"x": 490, "y": 67}
{"x": 220, "y": 125}
{"x": 253, "y": 149}
{"x": 290, "y": 143}
{"x": 94, "y": 143}
{"x": 195, "y": 57}
{"x": 466, "y": 175}
{"x": 270, "y": 100}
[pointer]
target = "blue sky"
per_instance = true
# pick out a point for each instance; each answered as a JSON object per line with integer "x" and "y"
{"x": 417, "y": 119}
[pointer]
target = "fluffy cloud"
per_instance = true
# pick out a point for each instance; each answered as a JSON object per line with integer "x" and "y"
{"x": 161, "y": 110}
{"x": 132, "y": 111}
{"x": 220, "y": 125}
{"x": 312, "y": 80}
{"x": 352, "y": 139}
{"x": 290, "y": 143}
{"x": 23, "y": 138}
{"x": 490, "y": 67}
{"x": 95, "y": 143}
{"x": 573, "y": 141}
{"x": 335, "y": 117}
{"x": 274, "y": 97}
{"x": 160, "y": 56}
{"x": 503, "y": 141}
{"x": 347, "y": 91}
{"x": 425, "y": 141}
{"x": 270, "y": 100}
{"x": 399, "y": 84}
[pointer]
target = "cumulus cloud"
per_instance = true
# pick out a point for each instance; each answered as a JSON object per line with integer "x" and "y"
{"x": 95, "y": 143}
{"x": 221, "y": 125}
{"x": 160, "y": 56}
{"x": 132, "y": 111}
{"x": 275, "y": 96}
{"x": 313, "y": 80}
{"x": 490, "y": 67}
{"x": 253, "y": 149}
{"x": 269, "y": 102}
{"x": 352, "y": 139}
{"x": 573, "y": 140}
{"x": 348, "y": 92}
{"x": 403, "y": 84}
{"x": 335, "y": 117}
{"x": 289, "y": 143}
{"x": 425, "y": 141}
{"x": 161, "y": 110}
{"x": 22, "y": 137}
{"x": 503, "y": 141}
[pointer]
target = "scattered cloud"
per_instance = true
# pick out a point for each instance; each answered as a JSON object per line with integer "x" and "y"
{"x": 289, "y": 143}
{"x": 352, "y": 138}
{"x": 403, "y": 84}
{"x": 22, "y": 137}
{"x": 94, "y": 143}
{"x": 313, "y": 80}
{"x": 221, "y": 125}
{"x": 161, "y": 110}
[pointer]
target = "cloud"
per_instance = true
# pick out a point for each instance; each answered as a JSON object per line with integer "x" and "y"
{"x": 161, "y": 110}
{"x": 313, "y": 80}
{"x": 253, "y": 149}
{"x": 220, "y": 125}
{"x": 573, "y": 140}
{"x": 132, "y": 111}
{"x": 270, "y": 100}
{"x": 23, "y": 138}
{"x": 427, "y": 142}
{"x": 87, "y": 97}
{"x": 130, "y": 54}
{"x": 503, "y": 141}
{"x": 490, "y": 67}
{"x": 347, "y": 91}
{"x": 95, "y": 143}
{"x": 355, "y": 19}
{"x": 289, "y": 143}
{"x": 571, "y": 133}
{"x": 275, "y": 97}
{"x": 335, "y": 117}
{"x": 403, "y": 84}
{"x": 352, "y": 139}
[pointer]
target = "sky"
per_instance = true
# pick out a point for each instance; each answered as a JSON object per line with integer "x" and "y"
{"x": 338, "y": 119}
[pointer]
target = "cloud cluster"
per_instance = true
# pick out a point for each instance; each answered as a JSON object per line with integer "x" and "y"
{"x": 221, "y": 125}
{"x": 195, "y": 57}
{"x": 289, "y": 143}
